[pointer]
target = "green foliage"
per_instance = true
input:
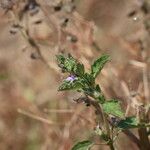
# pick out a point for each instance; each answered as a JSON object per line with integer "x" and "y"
{"x": 70, "y": 65}
{"x": 98, "y": 65}
{"x": 89, "y": 79}
{"x": 128, "y": 123}
{"x": 84, "y": 145}
{"x": 66, "y": 63}
{"x": 113, "y": 107}
{"x": 79, "y": 69}
{"x": 71, "y": 85}
{"x": 131, "y": 122}
{"x": 82, "y": 81}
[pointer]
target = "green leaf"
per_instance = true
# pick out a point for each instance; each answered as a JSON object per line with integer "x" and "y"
{"x": 70, "y": 65}
{"x": 84, "y": 145}
{"x": 60, "y": 59}
{"x": 79, "y": 69}
{"x": 89, "y": 79}
{"x": 88, "y": 91}
{"x": 113, "y": 107}
{"x": 131, "y": 122}
{"x": 75, "y": 85}
{"x": 98, "y": 65}
{"x": 66, "y": 63}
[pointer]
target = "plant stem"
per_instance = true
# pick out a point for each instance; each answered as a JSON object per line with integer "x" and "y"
{"x": 106, "y": 124}
{"x": 104, "y": 118}
{"x": 111, "y": 146}
{"x": 132, "y": 137}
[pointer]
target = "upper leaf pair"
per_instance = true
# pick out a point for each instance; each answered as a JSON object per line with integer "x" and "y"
{"x": 71, "y": 65}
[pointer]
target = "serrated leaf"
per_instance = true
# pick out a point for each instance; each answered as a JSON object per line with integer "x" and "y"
{"x": 131, "y": 122}
{"x": 113, "y": 107}
{"x": 98, "y": 65}
{"x": 89, "y": 79}
{"x": 66, "y": 63}
{"x": 70, "y": 65}
{"x": 75, "y": 85}
{"x": 84, "y": 145}
{"x": 79, "y": 69}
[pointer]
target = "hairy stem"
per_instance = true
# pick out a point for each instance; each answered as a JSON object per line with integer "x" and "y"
{"x": 111, "y": 146}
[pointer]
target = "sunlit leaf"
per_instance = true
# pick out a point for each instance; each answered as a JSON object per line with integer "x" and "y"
{"x": 113, "y": 107}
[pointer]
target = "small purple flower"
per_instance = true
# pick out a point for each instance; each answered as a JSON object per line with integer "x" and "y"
{"x": 71, "y": 78}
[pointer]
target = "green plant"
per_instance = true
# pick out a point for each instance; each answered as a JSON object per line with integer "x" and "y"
{"x": 112, "y": 117}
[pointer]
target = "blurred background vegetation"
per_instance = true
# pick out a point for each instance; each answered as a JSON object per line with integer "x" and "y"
{"x": 33, "y": 114}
